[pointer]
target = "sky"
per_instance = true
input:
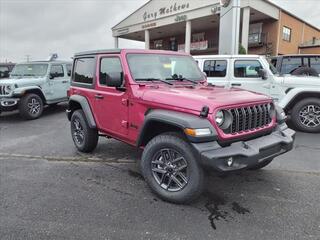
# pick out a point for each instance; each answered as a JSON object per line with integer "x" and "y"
{"x": 36, "y": 28}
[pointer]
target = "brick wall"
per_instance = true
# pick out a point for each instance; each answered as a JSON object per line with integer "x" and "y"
{"x": 300, "y": 33}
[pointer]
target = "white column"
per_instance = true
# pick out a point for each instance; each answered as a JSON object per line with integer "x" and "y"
{"x": 245, "y": 27}
{"x": 229, "y": 28}
{"x": 116, "y": 42}
{"x": 147, "y": 39}
{"x": 188, "y": 37}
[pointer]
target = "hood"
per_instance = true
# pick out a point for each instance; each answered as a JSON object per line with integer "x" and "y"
{"x": 195, "y": 98}
{"x": 21, "y": 82}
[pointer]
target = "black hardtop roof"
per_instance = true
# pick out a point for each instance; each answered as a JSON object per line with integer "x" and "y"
{"x": 45, "y": 61}
{"x": 94, "y": 52}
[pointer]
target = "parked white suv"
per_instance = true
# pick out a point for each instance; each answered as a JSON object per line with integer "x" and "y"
{"x": 299, "y": 96}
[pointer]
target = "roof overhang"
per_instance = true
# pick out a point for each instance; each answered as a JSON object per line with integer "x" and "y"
{"x": 155, "y": 14}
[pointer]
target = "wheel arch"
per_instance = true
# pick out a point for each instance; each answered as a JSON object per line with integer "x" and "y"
{"x": 80, "y": 102}
{"x": 36, "y": 91}
{"x": 161, "y": 121}
{"x": 300, "y": 96}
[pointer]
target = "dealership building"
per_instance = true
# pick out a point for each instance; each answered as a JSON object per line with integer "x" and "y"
{"x": 207, "y": 26}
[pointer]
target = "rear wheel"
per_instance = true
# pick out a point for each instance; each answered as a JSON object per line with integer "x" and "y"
{"x": 84, "y": 137}
{"x": 171, "y": 169}
{"x": 306, "y": 115}
{"x": 31, "y": 106}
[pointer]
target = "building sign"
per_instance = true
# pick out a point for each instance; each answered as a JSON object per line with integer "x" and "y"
{"x": 202, "y": 45}
{"x": 181, "y": 18}
{"x": 149, "y": 25}
{"x": 166, "y": 10}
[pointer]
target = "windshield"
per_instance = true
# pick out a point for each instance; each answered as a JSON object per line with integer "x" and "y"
{"x": 30, "y": 70}
{"x": 146, "y": 67}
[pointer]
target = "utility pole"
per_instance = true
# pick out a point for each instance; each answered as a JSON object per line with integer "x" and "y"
{"x": 28, "y": 57}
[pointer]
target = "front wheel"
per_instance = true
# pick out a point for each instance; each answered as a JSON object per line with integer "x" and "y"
{"x": 84, "y": 137}
{"x": 306, "y": 115}
{"x": 31, "y": 106}
{"x": 171, "y": 169}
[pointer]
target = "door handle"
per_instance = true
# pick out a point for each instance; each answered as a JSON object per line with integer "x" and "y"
{"x": 99, "y": 96}
{"x": 236, "y": 84}
{"x": 65, "y": 81}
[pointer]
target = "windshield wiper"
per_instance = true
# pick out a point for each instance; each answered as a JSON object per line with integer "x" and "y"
{"x": 154, "y": 79}
{"x": 181, "y": 78}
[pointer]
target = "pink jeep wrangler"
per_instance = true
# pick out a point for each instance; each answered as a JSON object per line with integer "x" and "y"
{"x": 160, "y": 101}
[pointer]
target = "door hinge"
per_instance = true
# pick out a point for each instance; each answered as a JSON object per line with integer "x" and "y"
{"x": 125, "y": 101}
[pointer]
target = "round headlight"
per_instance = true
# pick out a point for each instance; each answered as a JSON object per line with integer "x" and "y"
{"x": 219, "y": 118}
{"x": 8, "y": 89}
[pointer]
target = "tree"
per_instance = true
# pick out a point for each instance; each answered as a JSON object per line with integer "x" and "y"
{"x": 242, "y": 50}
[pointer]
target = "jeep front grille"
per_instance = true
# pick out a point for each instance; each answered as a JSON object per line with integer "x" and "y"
{"x": 250, "y": 118}
{"x": 3, "y": 91}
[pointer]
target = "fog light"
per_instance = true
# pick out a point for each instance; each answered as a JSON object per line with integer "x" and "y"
{"x": 230, "y": 161}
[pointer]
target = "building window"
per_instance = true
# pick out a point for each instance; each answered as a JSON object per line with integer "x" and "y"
{"x": 286, "y": 34}
{"x": 158, "y": 44}
{"x": 198, "y": 37}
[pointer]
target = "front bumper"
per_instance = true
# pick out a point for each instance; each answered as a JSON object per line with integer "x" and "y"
{"x": 8, "y": 104}
{"x": 245, "y": 154}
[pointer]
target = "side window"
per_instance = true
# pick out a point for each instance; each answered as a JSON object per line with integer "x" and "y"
{"x": 215, "y": 68}
{"x": 57, "y": 70}
{"x": 315, "y": 63}
{"x": 83, "y": 70}
{"x": 274, "y": 62}
{"x": 69, "y": 67}
{"x": 290, "y": 64}
{"x": 109, "y": 66}
{"x": 247, "y": 69}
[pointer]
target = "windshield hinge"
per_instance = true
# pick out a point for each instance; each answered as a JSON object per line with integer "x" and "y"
{"x": 204, "y": 112}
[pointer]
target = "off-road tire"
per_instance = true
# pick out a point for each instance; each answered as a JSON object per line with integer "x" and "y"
{"x": 297, "y": 110}
{"x": 30, "y": 106}
{"x": 262, "y": 164}
{"x": 177, "y": 143}
{"x": 90, "y": 136}
{"x": 305, "y": 71}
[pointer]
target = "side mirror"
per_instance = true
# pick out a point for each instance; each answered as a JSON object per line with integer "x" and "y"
{"x": 263, "y": 74}
{"x": 205, "y": 74}
{"x": 114, "y": 79}
{"x": 52, "y": 75}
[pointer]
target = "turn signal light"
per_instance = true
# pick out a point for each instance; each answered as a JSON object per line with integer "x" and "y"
{"x": 200, "y": 132}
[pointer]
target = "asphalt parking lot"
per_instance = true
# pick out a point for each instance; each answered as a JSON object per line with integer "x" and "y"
{"x": 48, "y": 190}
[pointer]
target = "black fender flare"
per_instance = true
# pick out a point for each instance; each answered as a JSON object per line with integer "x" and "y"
{"x": 85, "y": 106}
{"x": 179, "y": 120}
